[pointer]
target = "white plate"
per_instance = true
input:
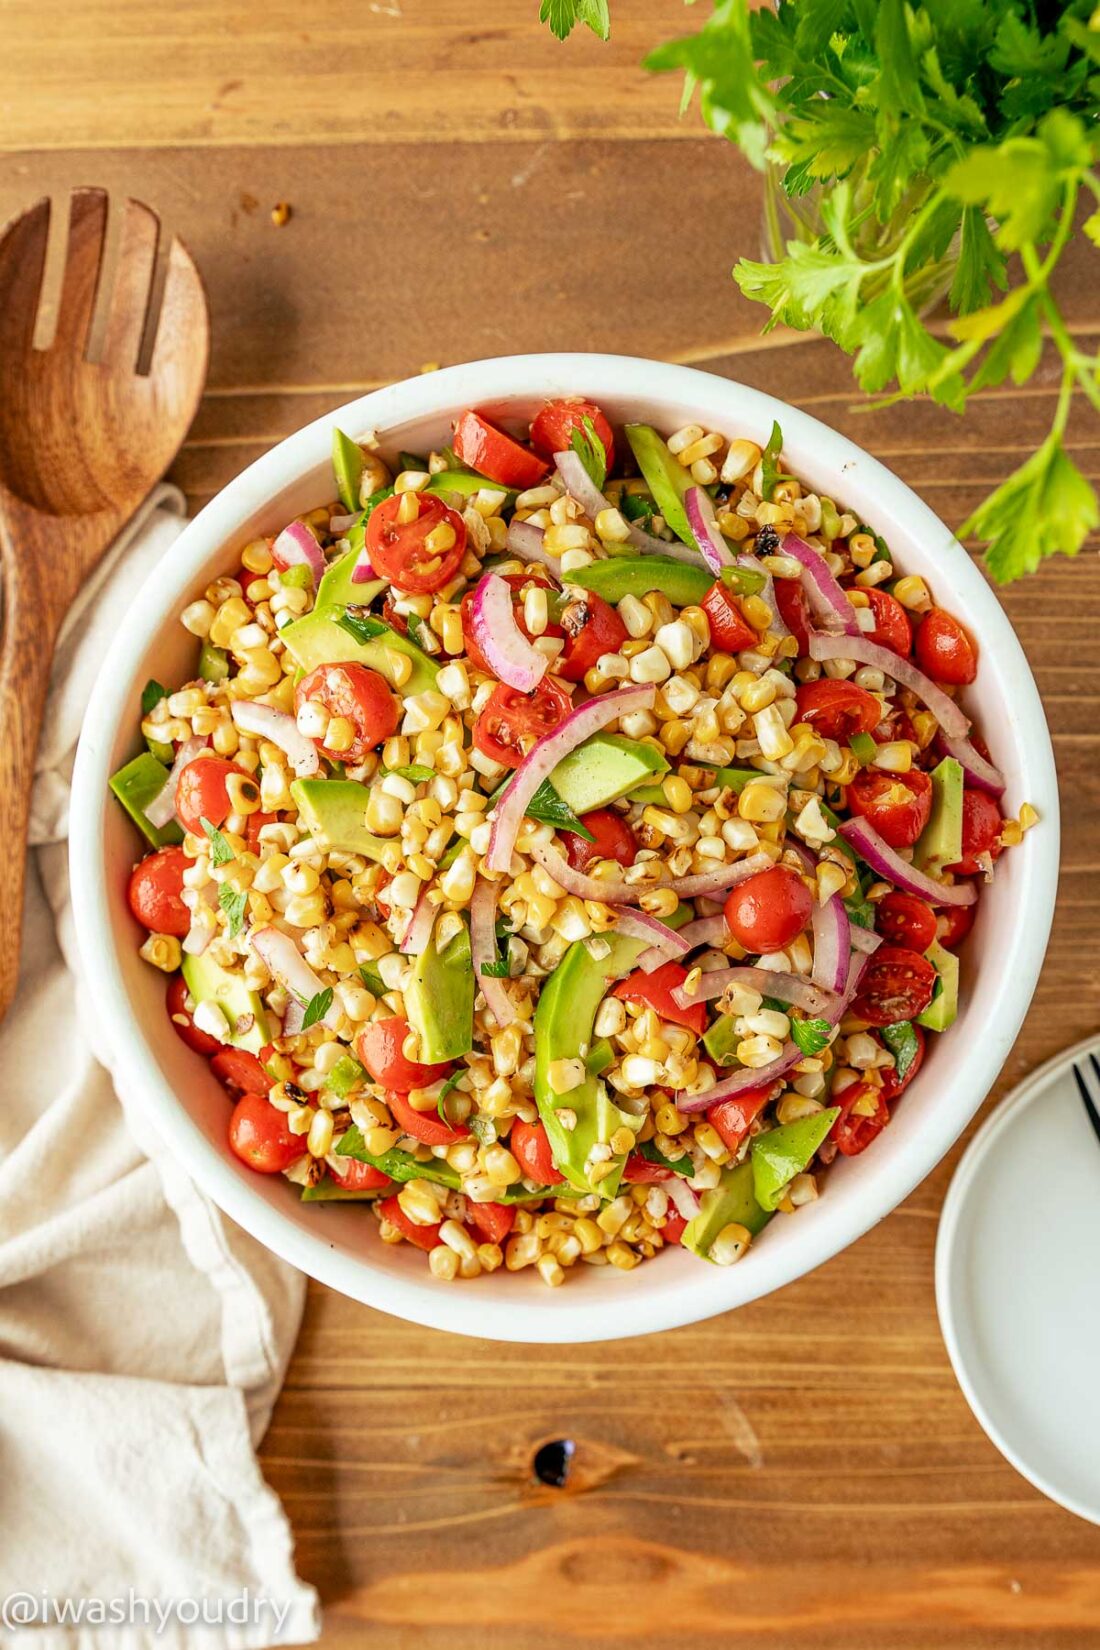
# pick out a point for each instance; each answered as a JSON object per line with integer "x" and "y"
{"x": 1018, "y": 1282}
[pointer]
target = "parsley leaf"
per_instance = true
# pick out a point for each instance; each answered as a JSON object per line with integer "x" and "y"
{"x": 811, "y": 1035}
{"x": 372, "y": 979}
{"x": 679, "y": 1165}
{"x": 549, "y": 809}
{"x": 445, "y": 1113}
{"x": 152, "y": 694}
{"x": 902, "y": 1042}
{"x": 233, "y": 904}
{"x": 220, "y": 851}
{"x": 770, "y": 472}
{"x": 317, "y": 1007}
{"x": 415, "y": 773}
{"x": 1044, "y": 506}
{"x": 591, "y": 451}
{"x": 361, "y": 625}
{"x": 562, "y": 15}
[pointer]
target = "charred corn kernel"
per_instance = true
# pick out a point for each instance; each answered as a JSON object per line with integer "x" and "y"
{"x": 319, "y": 1138}
{"x": 399, "y": 665}
{"x": 384, "y": 813}
{"x": 456, "y": 1237}
{"x": 775, "y": 742}
{"x": 622, "y": 1141}
{"x": 831, "y": 879}
{"x": 536, "y": 613}
{"x": 299, "y": 878}
{"x": 757, "y": 612}
{"x": 700, "y": 449}
{"x": 622, "y": 1256}
{"x": 522, "y": 1249}
{"x": 588, "y": 1235}
{"x": 876, "y": 574}
{"x": 660, "y": 902}
{"x": 742, "y": 457}
{"x": 379, "y": 1140}
{"x": 758, "y": 1050}
{"x": 549, "y": 1270}
{"x": 761, "y": 802}
{"x": 490, "y": 1256}
{"x": 231, "y": 615}
{"x": 257, "y": 557}
{"x": 565, "y": 1075}
{"x": 730, "y": 1244}
{"x": 611, "y": 526}
{"x": 675, "y": 735}
{"x": 756, "y": 695}
{"x": 340, "y": 735}
{"x": 440, "y": 539}
{"x": 669, "y": 1120}
{"x": 896, "y": 757}
{"x": 862, "y": 549}
{"x": 443, "y": 1263}
{"x": 1029, "y": 816}
{"x": 792, "y": 1108}
{"x": 500, "y": 1166}
{"x": 418, "y": 1201}
{"x": 721, "y": 669}
{"x": 636, "y": 616}
{"x": 912, "y": 592}
{"x": 198, "y": 617}
{"x": 243, "y": 794}
{"x": 681, "y": 439}
{"x": 163, "y": 951}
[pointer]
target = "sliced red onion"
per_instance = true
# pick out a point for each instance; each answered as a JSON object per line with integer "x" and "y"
{"x": 704, "y": 931}
{"x": 199, "y": 934}
{"x": 508, "y": 653}
{"x": 525, "y": 541}
{"x": 418, "y": 930}
{"x": 952, "y": 719}
{"x": 340, "y": 524}
{"x": 683, "y": 1199}
{"x": 889, "y": 864}
{"x": 296, "y": 546}
{"x": 282, "y": 958}
{"x": 483, "y": 949}
{"x": 832, "y": 944}
{"x": 708, "y": 536}
{"x": 539, "y": 763}
{"x": 163, "y": 806}
{"x": 278, "y": 726}
{"x": 863, "y": 939}
{"x": 778, "y": 625}
{"x": 579, "y": 485}
{"x": 723, "y": 876}
{"x": 788, "y": 988}
{"x": 981, "y": 774}
{"x": 665, "y": 942}
{"x": 619, "y": 892}
{"x": 826, "y": 598}
{"x": 294, "y": 1018}
{"x": 363, "y": 571}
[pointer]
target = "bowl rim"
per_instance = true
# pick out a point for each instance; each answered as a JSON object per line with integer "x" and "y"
{"x": 426, "y": 1301}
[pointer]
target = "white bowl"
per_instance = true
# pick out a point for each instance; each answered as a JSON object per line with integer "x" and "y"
{"x": 184, "y": 1104}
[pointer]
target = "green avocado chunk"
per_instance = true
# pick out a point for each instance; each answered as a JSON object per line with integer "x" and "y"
{"x": 944, "y": 1006}
{"x": 135, "y": 786}
{"x": 347, "y": 467}
{"x": 336, "y": 811}
{"x": 330, "y": 1191}
{"x": 940, "y": 843}
{"x": 781, "y": 1153}
{"x": 245, "y": 1015}
{"x": 462, "y": 481}
{"x": 439, "y": 1000}
{"x": 564, "y": 1019}
{"x": 604, "y": 768}
{"x": 733, "y": 1199}
{"x": 317, "y": 639}
{"x": 398, "y": 1164}
{"x": 734, "y": 779}
{"x": 337, "y": 590}
{"x": 620, "y": 576}
{"x": 667, "y": 478}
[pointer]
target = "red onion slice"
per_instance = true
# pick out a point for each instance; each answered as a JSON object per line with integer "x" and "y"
{"x": 363, "y": 571}
{"x": 832, "y": 944}
{"x": 579, "y": 485}
{"x": 722, "y": 877}
{"x": 278, "y": 726}
{"x": 340, "y": 524}
{"x": 281, "y": 956}
{"x": 683, "y": 1199}
{"x": 296, "y": 546}
{"x": 704, "y": 931}
{"x": 539, "y": 763}
{"x": 883, "y": 859}
{"x": 665, "y": 942}
{"x": 508, "y": 653}
{"x": 828, "y": 600}
{"x": 788, "y": 988}
{"x": 952, "y": 719}
{"x": 618, "y": 892}
{"x": 163, "y": 806}
{"x": 708, "y": 536}
{"x": 418, "y": 931}
{"x": 483, "y": 949}
{"x": 981, "y": 774}
{"x": 525, "y": 541}
{"x": 863, "y": 939}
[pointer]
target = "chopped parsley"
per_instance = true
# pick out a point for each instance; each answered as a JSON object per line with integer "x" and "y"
{"x": 220, "y": 851}
{"x": 317, "y": 1007}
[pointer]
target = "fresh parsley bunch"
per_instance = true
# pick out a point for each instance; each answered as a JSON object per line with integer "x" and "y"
{"x": 953, "y": 141}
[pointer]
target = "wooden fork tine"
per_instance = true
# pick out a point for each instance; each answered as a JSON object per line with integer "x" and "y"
{"x": 182, "y": 312}
{"x": 133, "y": 283}
{"x": 87, "y": 231}
{"x": 21, "y": 277}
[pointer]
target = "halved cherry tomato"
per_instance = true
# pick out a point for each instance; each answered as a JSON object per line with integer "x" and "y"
{"x": 954, "y": 923}
{"x": 944, "y": 650}
{"x": 591, "y": 627}
{"x": 732, "y": 1119}
{"x": 396, "y": 621}
{"x": 553, "y": 425}
{"x": 898, "y": 805}
{"x": 837, "y": 710}
{"x": 529, "y": 1145}
{"x": 898, "y": 725}
{"x": 673, "y": 1229}
{"x": 397, "y": 547}
{"x": 240, "y": 1070}
{"x": 427, "y": 1126}
{"x": 729, "y": 630}
{"x": 794, "y": 610}
{"x": 639, "y": 1171}
{"x": 854, "y": 1133}
{"x": 201, "y": 792}
{"x": 518, "y": 584}
{"x": 246, "y": 579}
{"x": 423, "y": 1237}
{"x": 981, "y": 832}
{"x": 512, "y": 722}
{"x": 892, "y": 626}
{"x": 655, "y": 991}
{"x": 175, "y": 1001}
{"x": 255, "y": 825}
{"x": 260, "y": 1136}
{"x": 614, "y": 840}
{"x": 903, "y": 919}
{"x": 892, "y": 1084}
{"x": 769, "y": 910}
{"x": 358, "y": 695}
{"x": 898, "y": 985}
{"x": 493, "y": 1220}
{"x": 378, "y": 1046}
{"x": 156, "y": 886}
{"x": 492, "y": 453}
{"x": 359, "y": 1177}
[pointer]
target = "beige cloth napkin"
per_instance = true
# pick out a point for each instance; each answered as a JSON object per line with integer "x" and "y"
{"x": 143, "y": 1337}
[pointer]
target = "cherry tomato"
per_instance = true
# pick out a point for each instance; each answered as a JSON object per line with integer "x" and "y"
{"x": 892, "y": 1084}
{"x": 246, "y": 579}
{"x": 396, "y": 621}
{"x": 953, "y": 924}
{"x": 397, "y": 547}
{"x": 897, "y": 725}
{"x": 898, "y": 805}
{"x": 156, "y": 885}
{"x": 512, "y": 722}
{"x": 655, "y": 991}
{"x": 518, "y": 583}
{"x": 892, "y": 626}
{"x": 898, "y": 984}
{"x": 769, "y": 910}
{"x": 493, "y": 1220}
{"x": 359, "y": 1177}
{"x": 361, "y": 696}
{"x": 944, "y": 650}
{"x": 837, "y": 710}
{"x": 905, "y": 920}
{"x": 591, "y": 627}
{"x": 729, "y": 631}
{"x": 552, "y": 428}
{"x": 260, "y": 1136}
{"x": 981, "y": 832}
{"x": 175, "y": 1001}
{"x": 255, "y": 825}
{"x": 854, "y": 1133}
{"x": 673, "y": 1229}
{"x": 427, "y": 1126}
{"x": 492, "y": 453}
{"x": 794, "y": 610}
{"x": 639, "y": 1171}
{"x": 423, "y": 1237}
{"x": 614, "y": 840}
{"x": 732, "y": 1119}
{"x": 201, "y": 792}
{"x": 378, "y": 1046}
{"x": 529, "y": 1145}
{"x": 240, "y": 1070}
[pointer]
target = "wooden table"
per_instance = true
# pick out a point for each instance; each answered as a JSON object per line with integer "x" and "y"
{"x": 804, "y": 1472}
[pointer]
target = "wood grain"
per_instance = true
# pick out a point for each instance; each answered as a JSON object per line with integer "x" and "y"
{"x": 804, "y": 1472}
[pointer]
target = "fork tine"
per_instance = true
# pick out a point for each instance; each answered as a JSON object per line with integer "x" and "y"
{"x": 1089, "y": 1103}
{"x": 21, "y": 277}
{"x": 133, "y": 284}
{"x": 182, "y": 314}
{"x": 83, "y": 261}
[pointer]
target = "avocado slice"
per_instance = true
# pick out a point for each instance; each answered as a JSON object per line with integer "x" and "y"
{"x": 944, "y": 1006}
{"x": 245, "y": 1014}
{"x": 330, "y": 1191}
{"x": 317, "y": 639}
{"x": 462, "y": 481}
{"x": 337, "y": 590}
{"x": 783, "y": 1152}
{"x": 335, "y": 811}
{"x": 733, "y": 1199}
{"x": 564, "y": 1019}
{"x": 347, "y": 467}
{"x": 667, "y": 478}
{"x": 734, "y": 779}
{"x": 605, "y": 767}
{"x": 940, "y": 843}
{"x": 620, "y": 576}
{"x": 399, "y": 1165}
{"x": 135, "y": 786}
{"x": 439, "y": 1000}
